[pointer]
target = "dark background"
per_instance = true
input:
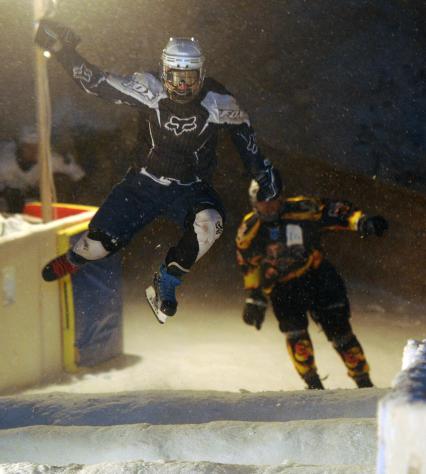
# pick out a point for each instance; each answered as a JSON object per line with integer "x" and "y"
{"x": 336, "y": 92}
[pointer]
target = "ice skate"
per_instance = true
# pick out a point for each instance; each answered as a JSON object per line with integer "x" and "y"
{"x": 363, "y": 381}
{"x": 161, "y": 295}
{"x": 313, "y": 381}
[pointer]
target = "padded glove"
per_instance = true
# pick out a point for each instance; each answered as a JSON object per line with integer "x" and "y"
{"x": 254, "y": 309}
{"x": 376, "y": 225}
{"x": 52, "y": 36}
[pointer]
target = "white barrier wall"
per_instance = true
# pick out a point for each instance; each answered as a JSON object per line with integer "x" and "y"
{"x": 402, "y": 417}
{"x": 30, "y": 321}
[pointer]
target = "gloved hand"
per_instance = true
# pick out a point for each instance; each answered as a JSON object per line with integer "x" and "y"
{"x": 270, "y": 184}
{"x": 376, "y": 225}
{"x": 52, "y": 36}
{"x": 254, "y": 309}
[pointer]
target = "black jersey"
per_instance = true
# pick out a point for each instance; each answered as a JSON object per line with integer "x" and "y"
{"x": 183, "y": 137}
{"x": 279, "y": 251}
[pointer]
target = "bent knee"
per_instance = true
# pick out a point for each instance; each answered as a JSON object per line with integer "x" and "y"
{"x": 90, "y": 248}
{"x": 208, "y": 227}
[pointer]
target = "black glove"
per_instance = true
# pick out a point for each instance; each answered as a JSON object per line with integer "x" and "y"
{"x": 53, "y": 36}
{"x": 254, "y": 309}
{"x": 376, "y": 225}
{"x": 270, "y": 184}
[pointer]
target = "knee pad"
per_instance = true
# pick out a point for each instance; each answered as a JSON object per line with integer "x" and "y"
{"x": 208, "y": 227}
{"x": 91, "y": 247}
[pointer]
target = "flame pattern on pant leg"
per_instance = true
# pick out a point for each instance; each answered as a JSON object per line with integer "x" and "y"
{"x": 354, "y": 358}
{"x": 301, "y": 352}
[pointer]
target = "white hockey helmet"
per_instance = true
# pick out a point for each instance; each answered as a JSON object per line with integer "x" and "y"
{"x": 182, "y": 69}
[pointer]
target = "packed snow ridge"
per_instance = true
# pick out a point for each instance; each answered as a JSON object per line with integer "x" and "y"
{"x": 309, "y": 432}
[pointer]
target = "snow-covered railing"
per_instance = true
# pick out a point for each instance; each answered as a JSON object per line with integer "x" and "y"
{"x": 30, "y": 336}
{"x": 402, "y": 416}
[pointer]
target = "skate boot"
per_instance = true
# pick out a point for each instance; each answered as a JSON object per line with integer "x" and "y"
{"x": 363, "y": 381}
{"x": 58, "y": 268}
{"x": 313, "y": 381}
{"x": 161, "y": 295}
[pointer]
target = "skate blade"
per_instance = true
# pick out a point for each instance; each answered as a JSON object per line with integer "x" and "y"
{"x": 150, "y": 297}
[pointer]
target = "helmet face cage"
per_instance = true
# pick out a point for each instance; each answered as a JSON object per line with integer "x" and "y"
{"x": 182, "y": 69}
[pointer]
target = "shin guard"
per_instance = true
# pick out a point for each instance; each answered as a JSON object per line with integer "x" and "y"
{"x": 301, "y": 350}
{"x": 350, "y": 350}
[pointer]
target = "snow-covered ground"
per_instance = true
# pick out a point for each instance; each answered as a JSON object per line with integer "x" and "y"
{"x": 206, "y": 394}
{"x": 206, "y": 346}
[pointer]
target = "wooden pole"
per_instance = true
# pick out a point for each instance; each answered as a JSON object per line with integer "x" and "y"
{"x": 47, "y": 185}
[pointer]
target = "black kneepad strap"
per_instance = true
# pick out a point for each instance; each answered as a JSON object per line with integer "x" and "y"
{"x": 110, "y": 243}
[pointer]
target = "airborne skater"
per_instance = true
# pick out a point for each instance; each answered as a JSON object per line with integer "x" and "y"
{"x": 279, "y": 252}
{"x": 184, "y": 111}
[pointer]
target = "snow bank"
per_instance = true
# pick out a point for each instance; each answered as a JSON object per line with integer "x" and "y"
{"x": 190, "y": 431}
{"x": 169, "y": 407}
{"x": 315, "y": 442}
{"x": 176, "y": 467}
{"x": 402, "y": 417}
{"x": 13, "y": 223}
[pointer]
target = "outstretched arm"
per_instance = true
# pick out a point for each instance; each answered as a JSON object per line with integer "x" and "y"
{"x": 138, "y": 89}
{"x": 244, "y": 139}
{"x": 224, "y": 110}
{"x": 343, "y": 215}
{"x": 249, "y": 258}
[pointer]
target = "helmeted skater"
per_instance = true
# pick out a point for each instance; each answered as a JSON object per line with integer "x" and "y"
{"x": 279, "y": 251}
{"x": 183, "y": 111}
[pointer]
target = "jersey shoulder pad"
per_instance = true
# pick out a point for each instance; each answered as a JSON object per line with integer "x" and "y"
{"x": 142, "y": 86}
{"x": 222, "y": 105}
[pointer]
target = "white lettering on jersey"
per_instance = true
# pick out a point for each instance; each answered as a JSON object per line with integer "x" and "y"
{"x": 181, "y": 125}
{"x": 252, "y": 145}
{"x": 223, "y": 108}
{"x": 82, "y": 73}
{"x": 294, "y": 235}
{"x": 143, "y": 87}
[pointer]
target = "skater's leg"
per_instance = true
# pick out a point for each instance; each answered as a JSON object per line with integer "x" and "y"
{"x": 200, "y": 212}
{"x": 202, "y": 228}
{"x": 127, "y": 209}
{"x": 199, "y": 235}
{"x": 290, "y": 302}
{"x": 92, "y": 245}
{"x": 332, "y": 312}
{"x": 352, "y": 354}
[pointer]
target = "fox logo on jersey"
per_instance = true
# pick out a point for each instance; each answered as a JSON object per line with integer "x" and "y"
{"x": 82, "y": 73}
{"x": 181, "y": 125}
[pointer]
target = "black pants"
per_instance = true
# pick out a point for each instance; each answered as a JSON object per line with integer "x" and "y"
{"x": 320, "y": 292}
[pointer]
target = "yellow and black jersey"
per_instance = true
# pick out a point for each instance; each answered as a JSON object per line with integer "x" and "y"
{"x": 279, "y": 251}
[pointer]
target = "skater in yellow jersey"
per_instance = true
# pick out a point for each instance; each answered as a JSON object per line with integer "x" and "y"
{"x": 279, "y": 252}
